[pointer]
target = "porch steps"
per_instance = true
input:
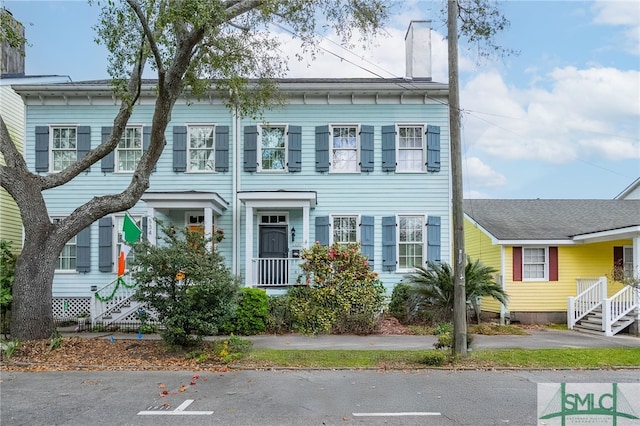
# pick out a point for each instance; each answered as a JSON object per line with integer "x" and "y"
{"x": 592, "y": 323}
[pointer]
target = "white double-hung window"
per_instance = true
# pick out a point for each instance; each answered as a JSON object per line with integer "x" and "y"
{"x": 129, "y": 149}
{"x": 201, "y": 148}
{"x": 411, "y": 148}
{"x": 344, "y": 146}
{"x": 535, "y": 263}
{"x": 64, "y": 146}
{"x": 273, "y": 148}
{"x": 68, "y": 256}
{"x": 410, "y": 242}
{"x": 345, "y": 229}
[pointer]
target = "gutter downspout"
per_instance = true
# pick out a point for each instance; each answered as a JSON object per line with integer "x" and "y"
{"x": 235, "y": 264}
{"x": 503, "y": 309}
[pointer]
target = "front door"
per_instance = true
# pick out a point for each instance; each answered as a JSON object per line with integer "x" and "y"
{"x": 273, "y": 254}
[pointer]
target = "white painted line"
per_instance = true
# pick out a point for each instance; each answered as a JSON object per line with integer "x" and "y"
{"x": 415, "y": 413}
{"x": 179, "y": 411}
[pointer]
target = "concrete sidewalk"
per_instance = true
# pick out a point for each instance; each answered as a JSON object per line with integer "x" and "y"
{"x": 537, "y": 339}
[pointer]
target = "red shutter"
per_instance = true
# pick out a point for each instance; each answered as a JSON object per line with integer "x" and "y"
{"x": 517, "y": 263}
{"x": 618, "y": 263}
{"x": 553, "y": 263}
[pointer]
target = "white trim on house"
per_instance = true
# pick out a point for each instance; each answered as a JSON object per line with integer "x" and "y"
{"x": 618, "y": 234}
{"x": 273, "y": 200}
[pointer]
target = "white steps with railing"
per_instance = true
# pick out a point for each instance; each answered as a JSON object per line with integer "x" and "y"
{"x": 114, "y": 302}
{"x": 592, "y": 312}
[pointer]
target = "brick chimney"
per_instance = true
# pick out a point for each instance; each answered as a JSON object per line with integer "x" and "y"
{"x": 417, "y": 43}
{"x": 12, "y": 57}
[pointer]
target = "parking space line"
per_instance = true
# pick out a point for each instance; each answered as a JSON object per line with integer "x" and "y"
{"x": 179, "y": 411}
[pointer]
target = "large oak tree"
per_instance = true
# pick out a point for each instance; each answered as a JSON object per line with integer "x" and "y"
{"x": 189, "y": 44}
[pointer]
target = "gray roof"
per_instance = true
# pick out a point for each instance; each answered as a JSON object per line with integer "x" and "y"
{"x": 551, "y": 219}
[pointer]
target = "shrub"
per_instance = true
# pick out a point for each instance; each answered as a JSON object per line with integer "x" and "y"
{"x": 252, "y": 314}
{"x": 279, "y": 318}
{"x": 342, "y": 295}
{"x": 191, "y": 290}
{"x": 7, "y": 272}
{"x": 399, "y": 304}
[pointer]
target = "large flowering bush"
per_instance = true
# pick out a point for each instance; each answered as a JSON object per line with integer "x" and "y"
{"x": 343, "y": 295}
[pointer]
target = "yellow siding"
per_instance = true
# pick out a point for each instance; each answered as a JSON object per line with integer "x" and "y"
{"x": 581, "y": 261}
{"x": 12, "y": 111}
{"x": 479, "y": 246}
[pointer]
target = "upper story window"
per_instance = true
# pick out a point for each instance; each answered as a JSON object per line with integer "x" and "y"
{"x": 411, "y": 149}
{"x": 534, "y": 263}
{"x": 129, "y": 149}
{"x": 345, "y": 229}
{"x": 273, "y": 148}
{"x": 344, "y": 149}
{"x": 63, "y": 147}
{"x": 201, "y": 149}
{"x": 410, "y": 241}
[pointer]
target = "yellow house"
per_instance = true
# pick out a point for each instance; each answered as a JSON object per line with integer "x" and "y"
{"x": 557, "y": 259}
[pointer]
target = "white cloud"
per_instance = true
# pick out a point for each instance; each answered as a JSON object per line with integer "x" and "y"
{"x": 625, "y": 14}
{"x": 481, "y": 174}
{"x": 589, "y": 113}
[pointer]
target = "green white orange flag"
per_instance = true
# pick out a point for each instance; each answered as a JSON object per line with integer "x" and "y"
{"x": 130, "y": 235}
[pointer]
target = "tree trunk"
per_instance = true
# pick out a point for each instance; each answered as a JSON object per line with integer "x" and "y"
{"x": 31, "y": 313}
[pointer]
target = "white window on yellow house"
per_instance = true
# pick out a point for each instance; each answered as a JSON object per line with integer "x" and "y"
{"x": 534, "y": 263}
{"x": 627, "y": 261}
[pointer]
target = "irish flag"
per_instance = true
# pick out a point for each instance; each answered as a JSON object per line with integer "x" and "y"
{"x": 130, "y": 234}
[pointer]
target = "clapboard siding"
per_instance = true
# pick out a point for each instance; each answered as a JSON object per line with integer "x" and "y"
{"x": 376, "y": 193}
{"x": 478, "y": 246}
{"x": 11, "y": 109}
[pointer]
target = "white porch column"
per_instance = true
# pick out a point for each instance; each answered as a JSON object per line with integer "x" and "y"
{"x": 636, "y": 276}
{"x": 305, "y": 227}
{"x": 151, "y": 226}
{"x": 208, "y": 224}
{"x": 248, "y": 247}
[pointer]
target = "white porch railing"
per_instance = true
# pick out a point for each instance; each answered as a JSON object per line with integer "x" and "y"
{"x": 111, "y": 298}
{"x": 615, "y": 308}
{"x": 587, "y": 300}
{"x": 276, "y": 272}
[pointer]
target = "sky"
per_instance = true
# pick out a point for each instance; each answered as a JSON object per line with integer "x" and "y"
{"x": 560, "y": 120}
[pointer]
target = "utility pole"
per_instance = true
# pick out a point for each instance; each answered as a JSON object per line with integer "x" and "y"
{"x": 459, "y": 257}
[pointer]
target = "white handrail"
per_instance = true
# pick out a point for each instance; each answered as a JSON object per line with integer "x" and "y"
{"x": 587, "y": 301}
{"x": 276, "y": 272}
{"x": 616, "y": 307}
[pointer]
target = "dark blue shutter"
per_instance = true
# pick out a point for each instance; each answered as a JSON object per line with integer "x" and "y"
{"x": 144, "y": 226}
{"x": 366, "y": 148}
{"x": 222, "y": 149}
{"x": 108, "y": 161}
{"x": 389, "y": 243}
{"x": 83, "y": 250}
{"x": 389, "y": 148}
{"x": 433, "y": 148}
{"x": 179, "y": 148}
{"x": 367, "y": 237}
{"x": 105, "y": 250}
{"x": 322, "y": 230}
{"x": 83, "y": 143}
{"x": 146, "y": 142}
{"x": 250, "y": 148}
{"x": 295, "y": 149}
{"x": 322, "y": 148}
{"x": 433, "y": 239}
{"x": 42, "y": 148}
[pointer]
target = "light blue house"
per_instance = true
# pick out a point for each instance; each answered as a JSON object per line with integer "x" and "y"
{"x": 344, "y": 160}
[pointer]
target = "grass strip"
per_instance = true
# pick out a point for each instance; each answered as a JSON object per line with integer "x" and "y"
{"x": 499, "y": 358}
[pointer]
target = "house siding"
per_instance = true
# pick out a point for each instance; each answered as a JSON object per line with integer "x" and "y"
{"x": 374, "y": 193}
{"x": 12, "y": 111}
{"x": 479, "y": 246}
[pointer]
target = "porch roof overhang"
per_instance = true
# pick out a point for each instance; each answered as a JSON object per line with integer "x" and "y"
{"x": 278, "y": 199}
{"x": 627, "y": 233}
{"x": 185, "y": 200}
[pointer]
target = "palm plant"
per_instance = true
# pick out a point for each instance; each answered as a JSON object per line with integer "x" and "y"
{"x": 434, "y": 284}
